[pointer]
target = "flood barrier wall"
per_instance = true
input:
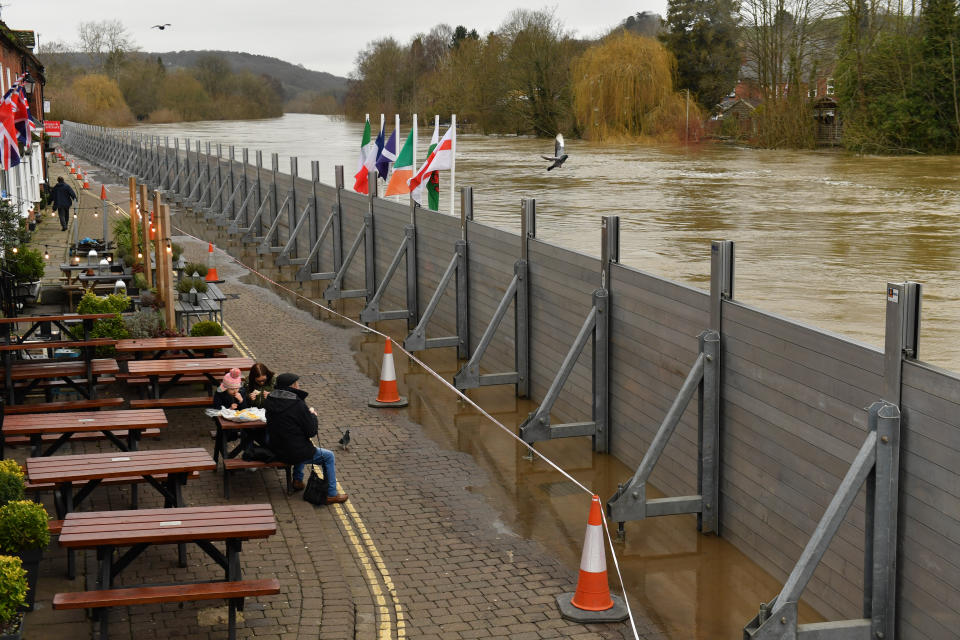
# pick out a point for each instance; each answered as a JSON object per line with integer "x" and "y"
{"x": 793, "y": 397}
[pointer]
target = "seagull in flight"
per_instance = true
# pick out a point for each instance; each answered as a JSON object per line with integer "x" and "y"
{"x": 558, "y": 157}
{"x": 160, "y": 26}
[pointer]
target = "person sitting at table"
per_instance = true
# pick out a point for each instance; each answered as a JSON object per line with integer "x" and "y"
{"x": 230, "y": 394}
{"x": 290, "y": 426}
{"x": 259, "y": 384}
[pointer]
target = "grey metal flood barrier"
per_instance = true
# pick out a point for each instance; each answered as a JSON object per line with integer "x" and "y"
{"x": 791, "y": 398}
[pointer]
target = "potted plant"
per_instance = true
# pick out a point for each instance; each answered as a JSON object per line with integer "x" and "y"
{"x": 206, "y": 328}
{"x": 24, "y": 532}
{"x": 11, "y": 481}
{"x": 13, "y": 594}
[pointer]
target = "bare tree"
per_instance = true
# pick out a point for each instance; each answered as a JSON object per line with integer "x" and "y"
{"x": 106, "y": 42}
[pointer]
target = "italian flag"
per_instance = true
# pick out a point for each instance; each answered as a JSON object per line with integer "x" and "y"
{"x": 368, "y": 159}
{"x": 440, "y": 159}
{"x": 402, "y": 169}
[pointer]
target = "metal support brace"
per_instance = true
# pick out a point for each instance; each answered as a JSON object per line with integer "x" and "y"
{"x": 268, "y": 202}
{"x": 630, "y": 501}
{"x": 417, "y": 340}
{"x": 334, "y": 290}
{"x": 307, "y": 220}
{"x": 271, "y": 239}
{"x": 537, "y": 425}
{"x": 469, "y": 377}
{"x": 310, "y": 270}
{"x": 878, "y": 465}
{"x": 408, "y": 250}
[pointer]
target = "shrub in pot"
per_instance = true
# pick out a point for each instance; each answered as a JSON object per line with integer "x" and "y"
{"x": 24, "y": 532}
{"x": 196, "y": 268}
{"x": 13, "y": 595}
{"x": 11, "y": 481}
{"x": 206, "y": 328}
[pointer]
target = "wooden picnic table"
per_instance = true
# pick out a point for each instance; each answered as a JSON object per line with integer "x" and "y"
{"x": 65, "y": 425}
{"x": 209, "y": 367}
{"x": 246, "y": 436}
{"x": 65, "y": 370}
{"x": 191, "y": 346}
{"x": 91, "y": 469}
{"x": 105, "y": 531}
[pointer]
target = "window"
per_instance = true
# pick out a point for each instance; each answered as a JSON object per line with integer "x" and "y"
{"x": 830, "y": 87}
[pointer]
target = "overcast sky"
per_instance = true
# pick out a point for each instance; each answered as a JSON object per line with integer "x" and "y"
{"x": 324, "y": 35}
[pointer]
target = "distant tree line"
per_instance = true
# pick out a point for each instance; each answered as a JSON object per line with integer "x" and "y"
{"x": 528, "y": 76}
{"x": 119, "y": 84}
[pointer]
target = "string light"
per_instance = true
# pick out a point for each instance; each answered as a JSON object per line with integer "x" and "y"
{"x": 46, "y": 253}
{"x": 139, "y": 255}
{"x": 14, "y": 249}
{"x": 169, "y": 246}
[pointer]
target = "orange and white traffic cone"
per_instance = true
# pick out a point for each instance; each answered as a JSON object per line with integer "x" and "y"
{"x": 592, "y": 602}
{"x": 211, "y": 266}
{"x": 103, "y": 192}
{"x": 86, "y": 182}
{"x": 388, "y": 395}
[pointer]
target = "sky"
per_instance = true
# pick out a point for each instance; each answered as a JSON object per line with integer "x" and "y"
{"x": 320, "y": 35}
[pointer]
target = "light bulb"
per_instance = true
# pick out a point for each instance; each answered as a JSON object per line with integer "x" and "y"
{"x": 109, "y": 258}
{"x": 139, "y": 255}
{"x": 46, "y": 254}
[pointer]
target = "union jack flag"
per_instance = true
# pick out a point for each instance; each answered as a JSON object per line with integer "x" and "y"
{"x": 9, "y": 151}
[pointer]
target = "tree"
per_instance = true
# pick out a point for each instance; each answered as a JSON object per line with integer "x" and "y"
{"x": 623, "y": 88}
{"x": 460, "y": 34}
{"x": 141, "y": 79}
{"x": 213, "y": 72}
{"x": 183, "y": 94}
{"x": 703, "y": 38}
{"x": 107, "y": 43}
{"x": 643, "y": 23}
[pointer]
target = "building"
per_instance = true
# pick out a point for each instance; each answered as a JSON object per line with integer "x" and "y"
{"x": 21, "y": 184}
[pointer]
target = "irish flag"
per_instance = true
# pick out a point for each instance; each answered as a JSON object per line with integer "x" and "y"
{"x": 402, "y": 169}
{"x": 440, "y": 159}
{"x": 368, "y": 159}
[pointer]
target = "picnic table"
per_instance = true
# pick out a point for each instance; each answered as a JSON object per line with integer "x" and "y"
{"x": 41, "y": 326}
{"x": 105, "y": 531}
{"x": 209, "y": 304}
{"x": 86, "y": 374}
{"x": 176, "y": 369}
{"x": 191, "y": 346}
{"x": 246, "y": 436}
{"x": 91, "y": 469}
{"x": 65, "y": 425}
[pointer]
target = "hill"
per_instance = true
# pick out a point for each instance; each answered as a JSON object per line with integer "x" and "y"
{"x": 294, "y": 78}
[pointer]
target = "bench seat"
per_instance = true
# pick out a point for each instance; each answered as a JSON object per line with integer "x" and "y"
{"x": 237, "y": 464}
{"x": 106, "y": 482}
{"x": 167, "y": 593}
{"x": 85, "y": 436}
{"x": 57, "y": 382}
{"x": 169, "y": 403}
{"x": 187, "y": 379}
{"x": 65, "y": 405}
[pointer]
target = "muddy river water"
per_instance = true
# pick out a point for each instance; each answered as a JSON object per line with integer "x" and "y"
{"x": 818, "y": 236}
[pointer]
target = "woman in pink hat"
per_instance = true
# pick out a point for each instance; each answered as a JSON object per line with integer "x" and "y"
{"x": 230, "y": 393}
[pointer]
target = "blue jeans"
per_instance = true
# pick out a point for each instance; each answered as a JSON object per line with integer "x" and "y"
{"x": 323, "y": 457}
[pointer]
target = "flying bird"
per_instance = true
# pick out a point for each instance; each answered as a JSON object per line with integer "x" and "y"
{"x": 160, "y": 26}
{"x": 558, "y": 157}
{"x": 345, "y": 440}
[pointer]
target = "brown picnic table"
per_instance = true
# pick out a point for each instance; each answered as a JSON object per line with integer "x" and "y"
{"x": 106, "y": 531}
{"x": 212, "y": 368}
{"x": 80, "y": 375}
{"x": 41, "y": 327}
{"x": 191, "y": 346}
{"x": 65, "y": 425}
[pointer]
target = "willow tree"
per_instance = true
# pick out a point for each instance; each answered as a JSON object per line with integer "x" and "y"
{"x": 623, "y": 88}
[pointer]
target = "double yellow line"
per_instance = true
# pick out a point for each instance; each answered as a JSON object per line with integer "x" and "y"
{"x": 389, "y": 611}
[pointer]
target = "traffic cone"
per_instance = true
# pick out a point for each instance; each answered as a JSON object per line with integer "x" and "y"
{"x": 388, "y": 396}
{"x": 103, "y": 192}
{"x": 592, "y": 601}
{"x": 211, "y": 266}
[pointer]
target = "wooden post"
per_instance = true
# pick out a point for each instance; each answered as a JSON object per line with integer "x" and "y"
{"x": 144, "y": 210}
{"x": 170, "y": 295}
{"x": 159, "y": 246}
{"x": 134, "y": 241}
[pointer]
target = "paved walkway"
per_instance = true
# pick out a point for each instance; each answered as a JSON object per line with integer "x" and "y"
{"x": 413, "y": 554}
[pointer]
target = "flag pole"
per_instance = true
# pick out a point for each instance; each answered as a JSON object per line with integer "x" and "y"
{"x": 414, "y": 142}
{"x": 453, "y": 160}
{"x": 396, "y": 148}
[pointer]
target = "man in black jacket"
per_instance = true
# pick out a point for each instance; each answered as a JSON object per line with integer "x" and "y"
{"x": 62, "y": 197}
{"x": 290, "y": 425}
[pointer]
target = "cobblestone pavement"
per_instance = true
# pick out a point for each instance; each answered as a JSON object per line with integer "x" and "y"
{"x": 414, "y": 553}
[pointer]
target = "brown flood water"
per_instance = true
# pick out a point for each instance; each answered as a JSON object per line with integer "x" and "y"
{"x": 691, "y": 585}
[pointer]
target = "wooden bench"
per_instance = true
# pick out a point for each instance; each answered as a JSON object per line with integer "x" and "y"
{"x": 58, "y": 344}
{"x": 171, "y": 403}
{"x": 106, "y": 482}
{"x": 236, "y": 464}
{"x": 234, "y": 592}
{"x": 66, "y": 405}
{"x": 53, "y": 382}
{"x": 134, "y": 379}
{"x": 91, "y": 436}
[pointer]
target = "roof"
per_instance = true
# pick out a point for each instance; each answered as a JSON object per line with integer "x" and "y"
{"x": 12, "y": 40}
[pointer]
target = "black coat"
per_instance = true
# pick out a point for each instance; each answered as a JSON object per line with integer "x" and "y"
{"x": 62, "y": 195}
{"x": 290, "y": 425}
{"x": 225, "y": 399}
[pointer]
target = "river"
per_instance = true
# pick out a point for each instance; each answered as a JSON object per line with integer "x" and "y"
{"x": 818, "y": 233}
{"x": 818, "y": 236}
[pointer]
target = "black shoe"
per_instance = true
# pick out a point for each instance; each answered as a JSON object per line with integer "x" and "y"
{"x": 63, "y": 228}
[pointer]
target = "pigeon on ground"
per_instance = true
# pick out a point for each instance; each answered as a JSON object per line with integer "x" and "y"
{"x": 558, "y": 157}
{"x": 160, "y": 26}
{"x": 345, "y": 440}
